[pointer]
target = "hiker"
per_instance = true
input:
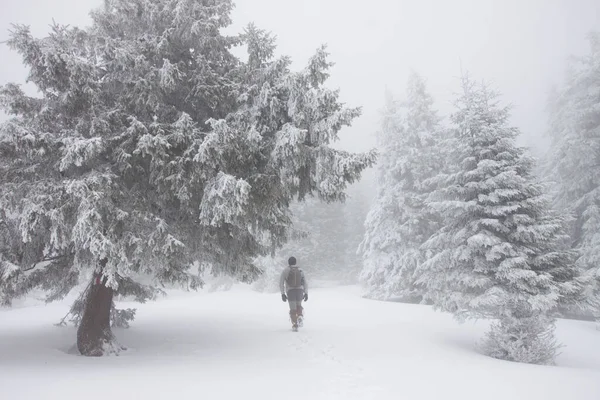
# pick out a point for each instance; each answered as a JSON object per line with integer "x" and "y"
{"x": 292, "y": 284}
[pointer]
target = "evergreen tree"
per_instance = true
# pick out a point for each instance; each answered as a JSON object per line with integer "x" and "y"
{"x": 499, "y": 254}
{"x": 152, "y": 147}
{"x": 400, "y": 221}
{"x": 573, "y": 162}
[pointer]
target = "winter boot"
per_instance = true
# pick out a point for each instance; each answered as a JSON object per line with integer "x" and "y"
{"x": 294, "y": 318}
{"x": 300, "y": 316}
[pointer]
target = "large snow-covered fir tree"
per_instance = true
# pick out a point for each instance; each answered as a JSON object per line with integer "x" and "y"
{"x": 151, "y": 147}
{"x": 400, "y": 221}
{"x": 500, "y": 253}
{"x": 573, "y": 162}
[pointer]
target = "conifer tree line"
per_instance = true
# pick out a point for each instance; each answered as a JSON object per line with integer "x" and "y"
{"x": 465, "y": 221}
{"x": 150, "y": 148}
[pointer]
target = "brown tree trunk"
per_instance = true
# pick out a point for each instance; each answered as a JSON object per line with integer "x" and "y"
{"x": 94, "y": 336}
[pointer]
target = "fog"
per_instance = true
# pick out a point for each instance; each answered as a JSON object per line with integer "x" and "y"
{"x": 117, "y": 208}
{"x": 521, "y": 47}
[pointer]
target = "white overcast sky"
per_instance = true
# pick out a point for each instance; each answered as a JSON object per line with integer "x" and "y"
{"x": 520, "y": 46}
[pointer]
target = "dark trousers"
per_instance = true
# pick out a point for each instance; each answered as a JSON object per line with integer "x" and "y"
{"x": 295, "y": 297}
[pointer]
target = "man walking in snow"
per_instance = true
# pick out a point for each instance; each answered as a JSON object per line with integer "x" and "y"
{"x": 294, "y": 289}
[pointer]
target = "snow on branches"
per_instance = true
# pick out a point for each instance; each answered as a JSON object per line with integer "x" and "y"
{"x": 152, "y": 147}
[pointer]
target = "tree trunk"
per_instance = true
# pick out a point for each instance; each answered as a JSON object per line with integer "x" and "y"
{"x": 94, "y": 336}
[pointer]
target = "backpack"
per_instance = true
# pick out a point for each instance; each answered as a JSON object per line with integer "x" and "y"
{"x": 294, "y": 278}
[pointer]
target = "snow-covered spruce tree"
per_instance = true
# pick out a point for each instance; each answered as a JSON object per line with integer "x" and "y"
{"x": 499, "y": 253}
{"x": 574, "y": 164}
{"x": 400, "y": 221}
{"x": 152, "y": 147}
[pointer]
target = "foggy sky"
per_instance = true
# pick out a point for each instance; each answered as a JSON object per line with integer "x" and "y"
{"x": 520, "y": 46}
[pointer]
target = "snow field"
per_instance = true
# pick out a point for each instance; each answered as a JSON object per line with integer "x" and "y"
{"x": 238, "y": 344}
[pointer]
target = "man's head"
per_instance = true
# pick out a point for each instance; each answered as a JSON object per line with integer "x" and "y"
{"x": 292, "y": 261}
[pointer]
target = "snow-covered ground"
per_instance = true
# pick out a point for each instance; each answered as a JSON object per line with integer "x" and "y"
{"x": 238, "y": 345}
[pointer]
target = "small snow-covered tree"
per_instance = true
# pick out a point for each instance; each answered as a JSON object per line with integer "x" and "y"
{"x": 400, "y": 221}
{"x": 152, "y": 147}
{"x": 574, "y": 162}
{"x": 500, "y": 254}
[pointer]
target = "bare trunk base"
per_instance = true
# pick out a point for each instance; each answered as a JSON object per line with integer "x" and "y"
{"x": 94, "y": 335}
